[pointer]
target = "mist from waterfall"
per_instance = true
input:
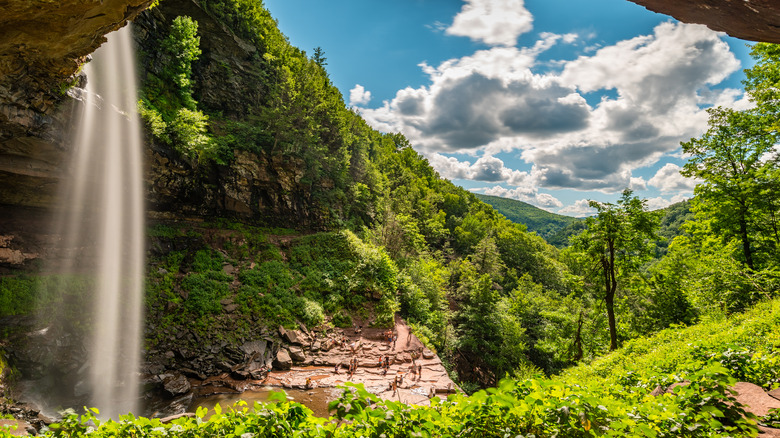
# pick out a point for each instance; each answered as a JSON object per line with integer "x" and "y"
{"x": 102, "y": 223}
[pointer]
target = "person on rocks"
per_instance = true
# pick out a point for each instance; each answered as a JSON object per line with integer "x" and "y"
{"x": 395, "y": 338}
{"x": 419, "y": 372}
{"x": 387, "y": 362}
{"x": 395, "y": 385}
{"x": 336, "y": 368}
{"x": 308, "y": 383}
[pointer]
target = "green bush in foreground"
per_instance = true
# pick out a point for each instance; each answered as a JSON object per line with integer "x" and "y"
{"x": 531, "y": 408}
{"x": 609, "y": 397}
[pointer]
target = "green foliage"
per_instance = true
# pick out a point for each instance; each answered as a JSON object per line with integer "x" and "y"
{"x": 167, "y": 106}
{"x": 18, "y": 295}
{"x": 539, "y": 408}
{"x": 474, "y": 284}
{"x": 617, "y": 243}
{"x": 182, "y": 48}
{"x": 545, "y": 224}
{"x": 731, "y": 159}
{"x": 188, "y": 130}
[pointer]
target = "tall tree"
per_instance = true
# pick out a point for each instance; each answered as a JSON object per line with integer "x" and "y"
{"x": 617, "y": 241}
{"x": 733, "y": 160}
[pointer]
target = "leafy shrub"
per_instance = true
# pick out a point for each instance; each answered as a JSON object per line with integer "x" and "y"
{"x": 205, "y": 292}
{"x": 311, "y": 312}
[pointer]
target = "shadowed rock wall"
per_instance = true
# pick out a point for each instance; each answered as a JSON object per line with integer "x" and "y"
{"x": 754, "y": 20}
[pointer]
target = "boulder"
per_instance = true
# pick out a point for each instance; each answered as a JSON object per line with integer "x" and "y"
{"x": 283, "y": 360}
{"x": 428, "y": 354}
{"x": 755, "y": 399}
{"x": 240, "y": 374}
{"x": 176, "y": 384}
{"x": 297, "y": 354}
{"x": 259, "y": 374}
{"x": 257, "y": 346}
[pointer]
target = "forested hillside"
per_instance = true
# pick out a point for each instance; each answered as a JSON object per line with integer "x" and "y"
{"x": 488, "y": 295}
{"x": 272, "y": 198}
{"x": 554, "y": 228}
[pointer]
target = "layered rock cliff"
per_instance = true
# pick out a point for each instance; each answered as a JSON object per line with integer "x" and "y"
{"x": 753, "y": 20}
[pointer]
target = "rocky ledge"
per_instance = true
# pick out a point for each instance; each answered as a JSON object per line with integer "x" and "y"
{"x": 304, "y": 359}
{"x": 42, "y": 46}
{"x": 754, "y": 20}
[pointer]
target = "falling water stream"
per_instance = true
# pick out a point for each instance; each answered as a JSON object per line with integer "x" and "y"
{"x": 104, "y": 217}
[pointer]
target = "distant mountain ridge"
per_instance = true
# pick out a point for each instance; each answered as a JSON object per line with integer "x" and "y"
{"x": 554, "y": 228}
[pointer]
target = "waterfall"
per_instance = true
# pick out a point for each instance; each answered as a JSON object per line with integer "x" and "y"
{"x": 103, "y": 217}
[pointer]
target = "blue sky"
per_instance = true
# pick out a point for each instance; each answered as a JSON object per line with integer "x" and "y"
{"x": 552, "y": 102}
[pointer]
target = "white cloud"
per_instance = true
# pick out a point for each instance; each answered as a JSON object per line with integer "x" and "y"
{"x": 359, "y": 95}
{"x": 525, "y": 194}
{"x": 495, "y": 101}
{"x": 494, "y": 22}
{"x": 580, "y": 208}
{"x": 487, "y": 168}
{"x": 669, "y": 180}
{"x": 660, "y": 202}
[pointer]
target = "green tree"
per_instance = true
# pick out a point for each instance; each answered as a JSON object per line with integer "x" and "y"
{"x": 182, "y": 48}
{"x": 319, "y": 57}
{"x": 616, "y": 241}
{"x": 731, "y": 159}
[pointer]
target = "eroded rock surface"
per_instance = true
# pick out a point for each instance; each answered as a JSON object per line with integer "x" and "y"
{"x": 754, "y": 20}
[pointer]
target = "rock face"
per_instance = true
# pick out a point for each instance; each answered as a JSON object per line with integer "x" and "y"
{"x": 755, "y": 20}
{"x": 42, "y": 46}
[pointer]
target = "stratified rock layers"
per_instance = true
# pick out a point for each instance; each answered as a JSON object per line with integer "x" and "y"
{"x": 754, "y": 20}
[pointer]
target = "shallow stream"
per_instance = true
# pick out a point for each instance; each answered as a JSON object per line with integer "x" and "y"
{"x": 316, "y": 399}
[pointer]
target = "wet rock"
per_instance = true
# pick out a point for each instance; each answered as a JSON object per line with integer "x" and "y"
{"x": 240, "y": 374}
{"x": 175, "y": 407}
{"x": 297, "y": 354}
{"x": 283, "y": 360}
{"x": 258, "y": 374}
{"x": 176, "y": 385}
{"x": 177, "y": 416}
{"x": 192, "y": 373}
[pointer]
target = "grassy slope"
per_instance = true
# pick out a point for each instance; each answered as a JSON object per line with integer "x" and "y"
{"x": 746, "y": 344}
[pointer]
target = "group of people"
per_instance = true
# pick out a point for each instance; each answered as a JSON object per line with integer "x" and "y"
{"x": 391, "y": 337}
{"x": 384, "y": 363}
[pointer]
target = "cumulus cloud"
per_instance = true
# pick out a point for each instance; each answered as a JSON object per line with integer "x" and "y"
{"x": 580, "y": 208}
{"x": 525, "y": 194}
{"x": 660, "y": 202}
{"x": 652, "y": 92}
{"x": 669, "y": 180}
{"x": 358, "y": 95}
{"x": 493, "y": 22}
{"x": 487, "y": 168}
